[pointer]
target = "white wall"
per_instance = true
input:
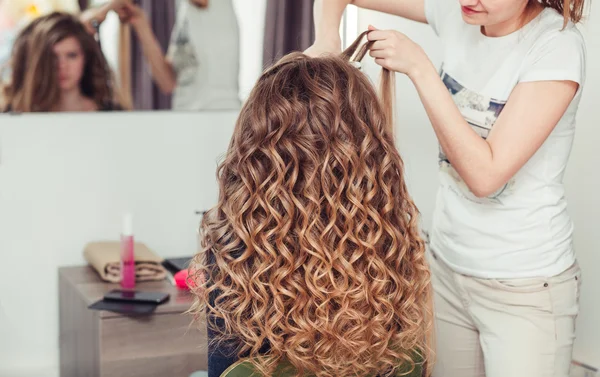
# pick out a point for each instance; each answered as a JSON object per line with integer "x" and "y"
{"x": 65, "y": 180}
{"x": 418, "y": 146}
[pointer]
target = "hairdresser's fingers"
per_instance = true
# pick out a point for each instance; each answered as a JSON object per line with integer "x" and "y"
{"x": 384, "y": 63}
{"x": 128, "y": 8}
{"x": 380, "y": 45}
{"x": 124, "y": 15}
{"x": 378, "y": 35}
{"x": 391, "y": 38}
{"x": 380, "y": 53}
{"x": 116, "y": 4}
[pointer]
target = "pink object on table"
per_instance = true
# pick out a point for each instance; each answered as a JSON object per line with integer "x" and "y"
{"x": 127, "y": 254}
{"x": 183, "y": 280}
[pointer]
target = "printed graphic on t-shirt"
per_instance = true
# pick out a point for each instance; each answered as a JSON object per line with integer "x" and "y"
{"x": 184, "y": 60}
{"x": 481, "y": 113}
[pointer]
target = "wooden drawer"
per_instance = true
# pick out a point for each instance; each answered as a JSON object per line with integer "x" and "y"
{"x": 106, "y": 344}
{"x": 164, "y": 344}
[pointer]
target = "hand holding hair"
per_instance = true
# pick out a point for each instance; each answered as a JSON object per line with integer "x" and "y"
{"x": 395, "y": 51}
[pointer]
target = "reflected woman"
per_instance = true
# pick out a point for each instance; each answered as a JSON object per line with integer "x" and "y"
{"x": 57, "y": 66}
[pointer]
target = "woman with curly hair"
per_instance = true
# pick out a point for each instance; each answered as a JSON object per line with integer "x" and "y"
{"x": 56, "y": 65}
{"x": 312, "y": 256}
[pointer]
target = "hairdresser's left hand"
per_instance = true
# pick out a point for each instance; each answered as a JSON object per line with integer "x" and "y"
{"x": 395, "y": 51}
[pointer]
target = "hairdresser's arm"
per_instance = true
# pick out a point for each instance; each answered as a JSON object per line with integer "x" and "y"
{"x": 328, "y": 15}
{"x": 484, "y": 164}
{"x": 410, "y": 9}
{"x": 487, "y": 164}
{"x": 162, "y": 71}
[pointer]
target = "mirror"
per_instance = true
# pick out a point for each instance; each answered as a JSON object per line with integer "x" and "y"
{"x": 142, "y": 55}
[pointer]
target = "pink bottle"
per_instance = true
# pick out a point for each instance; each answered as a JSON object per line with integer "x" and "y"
{"x": 127, "y": 254}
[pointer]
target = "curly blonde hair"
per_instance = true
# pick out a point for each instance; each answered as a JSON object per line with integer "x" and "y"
{"x": 313, "y": 248}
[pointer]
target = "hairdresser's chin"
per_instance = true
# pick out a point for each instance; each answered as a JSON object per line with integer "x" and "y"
{"x": 200, "y": 3}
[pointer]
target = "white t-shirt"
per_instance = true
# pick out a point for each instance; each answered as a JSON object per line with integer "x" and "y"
{"x": 205, "y": 53}
{"x": 524, "y": 229}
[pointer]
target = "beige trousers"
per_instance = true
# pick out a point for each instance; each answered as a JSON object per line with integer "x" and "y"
{"x": 504, "y": 328}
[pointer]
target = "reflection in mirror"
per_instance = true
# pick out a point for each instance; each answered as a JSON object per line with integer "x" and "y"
{"x": 56, "y": 65}
{"x": 184, "y": 55}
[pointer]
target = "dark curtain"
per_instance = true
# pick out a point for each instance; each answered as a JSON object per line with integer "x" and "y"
{"x": 289, "y": 26}
{"x": 146, "y": 95}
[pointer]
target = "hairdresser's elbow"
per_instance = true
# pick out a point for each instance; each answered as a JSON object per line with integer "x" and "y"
{"x": 166, "y": 79}
{"x": 480, "y": 192}
{"x": 168, "y": 90}
{"x": 168, "y": 87}
{"x": 484, "y": 187}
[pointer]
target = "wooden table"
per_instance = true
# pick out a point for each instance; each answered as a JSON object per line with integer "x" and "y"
{"x": 106, "y": 344}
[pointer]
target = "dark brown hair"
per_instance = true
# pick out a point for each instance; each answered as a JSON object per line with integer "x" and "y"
{"x": 314, "y": 246}
{"x": 33, "y": 84}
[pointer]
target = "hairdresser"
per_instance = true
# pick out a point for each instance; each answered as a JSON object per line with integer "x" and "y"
{"x": 201, "y": 65}
{"x": 503, "y": 107}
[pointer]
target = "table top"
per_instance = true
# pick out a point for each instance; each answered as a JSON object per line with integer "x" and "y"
{"x": 92, "y": 288}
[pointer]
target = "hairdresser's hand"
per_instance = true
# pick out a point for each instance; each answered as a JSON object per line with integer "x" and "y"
{"x": 324, "y": 47}
{"x": 130, "y": 13}
{"x": 98, "y": 14}
{"x": 395, "y": 51}
{"x": 91, "y": 16}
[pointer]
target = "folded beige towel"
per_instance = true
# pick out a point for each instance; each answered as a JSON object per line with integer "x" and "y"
{"x": 105, "y": 257}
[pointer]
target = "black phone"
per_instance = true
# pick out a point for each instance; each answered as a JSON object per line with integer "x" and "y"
{"x": 137, "y": 296}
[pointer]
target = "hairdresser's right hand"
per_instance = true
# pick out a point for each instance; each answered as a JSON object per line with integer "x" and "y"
{"x": 321, "y": 47}
{"x": 132, "y": 14}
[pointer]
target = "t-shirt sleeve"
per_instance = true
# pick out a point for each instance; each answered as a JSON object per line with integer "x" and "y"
{"x": 560, "y": 56}
{"x": 438, "y": 14}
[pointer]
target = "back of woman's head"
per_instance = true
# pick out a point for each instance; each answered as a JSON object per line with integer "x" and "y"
{"x": 34, "y": 82}
{"x": 314, "y": 247}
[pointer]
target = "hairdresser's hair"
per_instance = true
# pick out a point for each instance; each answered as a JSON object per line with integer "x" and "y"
{"x": 33, "y": 84}
{"x": 313, "y": 248}
{"x": 572, "y": 10}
